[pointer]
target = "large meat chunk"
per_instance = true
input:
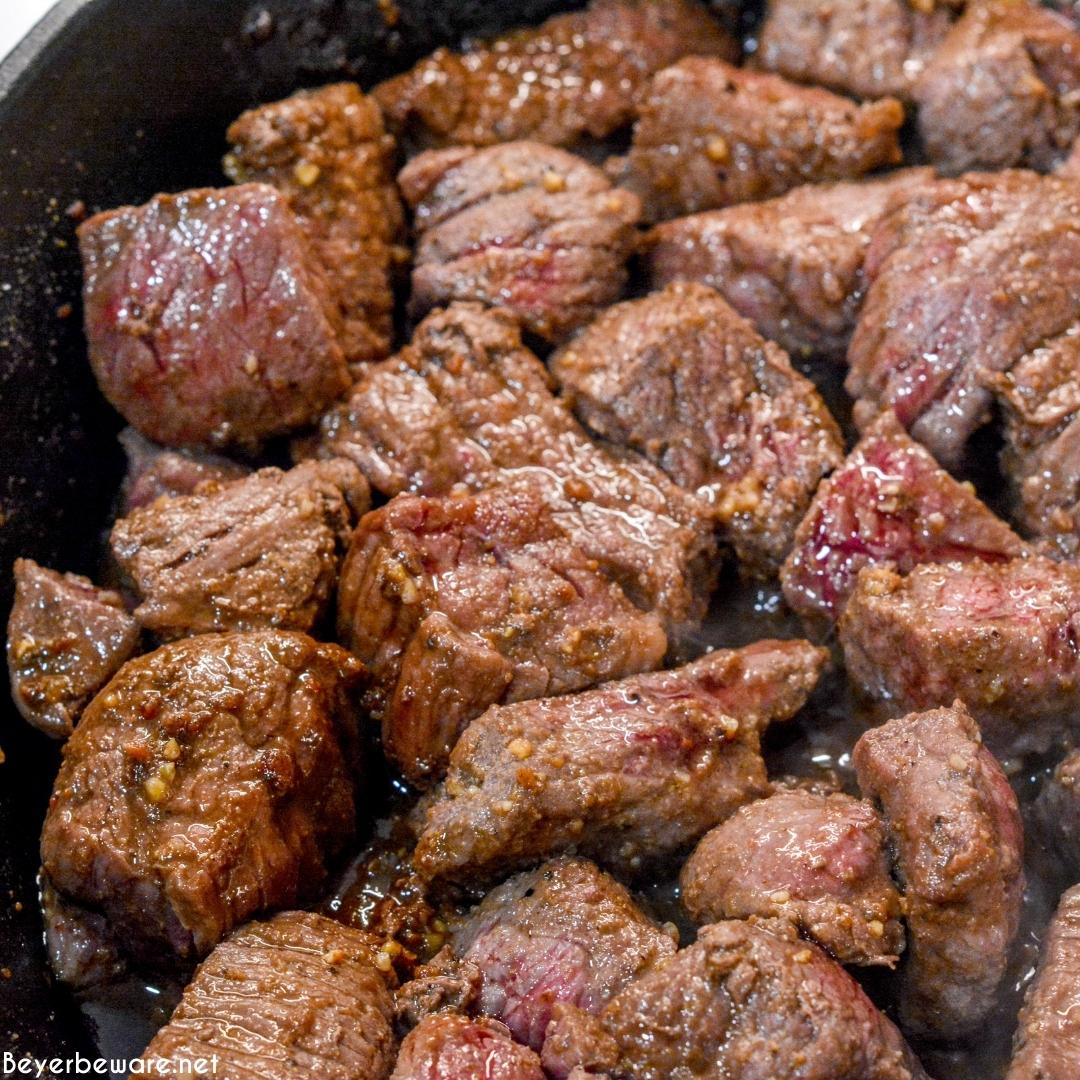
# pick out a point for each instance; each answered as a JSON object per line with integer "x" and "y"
{"x": 1002, "y": 89}
{"x": 327, "y": 151}
{"x": 452, "y": 1047}
{"x": 466, "y": 404}
{"x": 210, "y": 780}
{"x": 1057, "y": 811}
{"x": 625, "y": 773}
{"x": 523, "y": 226}
{"x": 256, "y": 553}
{"x": 791, "y": 265}
{"x": 683, "y": 379}
{"x": 208, "y": 318}
{"x": 956, "y": 828}
{"x": 1002, "y": 637}
{"x": 816, "y": 860}
{"x": 966, "y": 278}
{"x": 867, "y": 48}
{"x": 459, "y": 602}
{"x": 889, "y": 503}
{"x": 574, "y": 76}
{"x": 709, "y": 135}
{"x": 65, "y": 639}
{"x": 1047, "y": 1045}
{"x": 295, "y": 997}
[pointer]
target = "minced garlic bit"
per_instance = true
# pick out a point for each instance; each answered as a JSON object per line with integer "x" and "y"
{"x": 333, "y": 957}
{"x": 876, "y": 928}
{"x": 554, "y": 182}
{"x": 306, "y": 173}
{"x": 804, "y": 956}
{"x": 171, "y": 750}
{"x": 155, "y": 788}
{"x": 781, "y": 896}
{"x": 717, "y": 149}
{"x": 520, "y": 748}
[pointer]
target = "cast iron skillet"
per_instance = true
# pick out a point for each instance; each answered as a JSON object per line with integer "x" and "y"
{"x": 108, "y": 102}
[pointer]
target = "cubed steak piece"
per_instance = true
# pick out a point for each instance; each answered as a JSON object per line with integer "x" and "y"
{"x": 327, "y": 151}
{"x": 209, "y": 320}
{"x": 295, "y": 997}
{"x": 65, "y": 639}
{"x": 577, "y": 75}
{"x": 460, "y": 602}
{"x": 683, "y": 379}
{"x": 1002, "y": 637}
{"x": 709, "y": 135}
{"x": 1047, "y": 1041}
{"x": 791, "y": 265}
{"x": 745, "y": 1002}
{"x": 253, "y": 554}
{"x": 626, "y": 773}
{"x": 465, "y": 404}
{"x": 563, "y": 933}
{"x": 452, "y": 1047}
{"x": 1057, "y": 814}
{"x": 1040, "y": 398}
{"x": 867, "y": 48}
{"x": 210, "y": 780}
{"x": 889, "y": 503}
{"x": 1002, "y": 89}
{"x": 966, "y": 277}
{"x": 523, "y": 226}
{"x": 956, "y": 829}
{"x": 816, "y": 860}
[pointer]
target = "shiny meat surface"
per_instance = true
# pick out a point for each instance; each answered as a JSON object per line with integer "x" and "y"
{"x": 1057, "y": 812}
{"x": 452, "y": 1047}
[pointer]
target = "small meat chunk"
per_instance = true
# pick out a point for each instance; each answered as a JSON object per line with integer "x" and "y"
{"x": 791, "y": 265}
{"x": 574, "y": 76}
{"x": 565, "y": 932}
{"x": 65, "y": 639}
{"x": 461, "y": 602}
{"x": 523, "y": 226}
{"x": 327, "y": 151}
{"x": 210, "y": 780}
{"x": 709, "y": 135}
{"x": 1002, "y": 637}
{"x": 1047, "y": 1043}
{"x": 816, "y": 860}
{"x": 867, "y": 48}
{"x": 889, "y": 503}
{"x": 749, "y": 1002}
{"x": 295, "y": 997}
{"x": 1002, "y": 89}
{"x": 625, "y": 773}
{"x": 450, "y": 1047}
{"x": 966, "y": 277}
{"x": 959, "y": 841}
{"x": 1057, "y": 811}
{"x": 257, "y": 553}
{"x": 209, "y": 320}
{"x": 684, "y": 380}
{"x": 466, "y": 405}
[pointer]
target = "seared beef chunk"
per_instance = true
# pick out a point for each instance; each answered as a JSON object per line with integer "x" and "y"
{"x": 523, "y": 226}
{"x": 209, "y": 320}
{"x": 450, "y": 1047}
{"x": 815, "y": 860}
{"x": 65, "y": 639}
{"x": 1001, "y": 637}
{"x": 565, "y": 932}
{"x": 625, "y": 773}
{"x": 327, "y": 151}
{"x": 467, "y": 404}
{"x": 956, "y": 828}
{"x": 82, "y": 950}
{"x": 745, "y": 1002}
{"x": 1057, "y": 811}
{"x": 209, "y": 780}
{"x": 1041, "y": 399}
{"x": 1002, "y": 89}
{"x": 1047, "y": 1044}
{"x": 891, "y": 503}
{"x": 791, "y": 265}
{"x": 966, "y": 277}
{"x": 575, "y": 75}
{"x": 295, "y": 997}
{"x": 256, "y": 553}
{"x": 867, "y": 48}
{"x": 709, "y": 135}
{"x": 680, "y": 377}
{"x": 460, "y": 602}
